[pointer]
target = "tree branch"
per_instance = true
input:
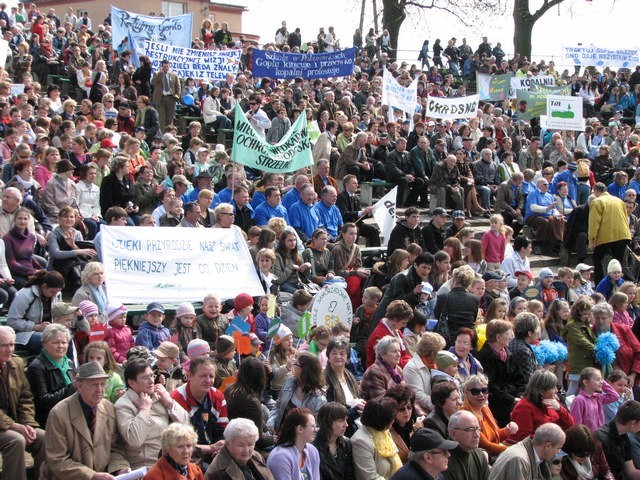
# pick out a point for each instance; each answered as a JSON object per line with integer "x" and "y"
{"x": 544, "y": 8}
{"x": 433, "y": 5}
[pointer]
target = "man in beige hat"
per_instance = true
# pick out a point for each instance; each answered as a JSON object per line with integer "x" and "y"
{"x": 81, "y": 438}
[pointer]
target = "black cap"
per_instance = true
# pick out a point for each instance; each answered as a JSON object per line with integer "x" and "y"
{"x": 439, "y": 211}
{"x": 427, "y": 439}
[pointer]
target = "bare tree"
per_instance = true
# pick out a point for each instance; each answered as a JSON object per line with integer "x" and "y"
{"x": 468, "y": 12}
{"x": 523, "y": 22}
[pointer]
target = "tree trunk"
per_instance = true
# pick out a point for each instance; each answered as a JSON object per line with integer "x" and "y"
{"x": 392, "y": 17}
{"x": 364, "y": 2}
{"x": 522, "y": 31}
{"x": 375, "y": 16}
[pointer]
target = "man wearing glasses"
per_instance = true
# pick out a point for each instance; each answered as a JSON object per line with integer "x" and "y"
{"x": 467, "y": 461}
{"x": 428, "y": 457}
{"x": 530, "y": 459}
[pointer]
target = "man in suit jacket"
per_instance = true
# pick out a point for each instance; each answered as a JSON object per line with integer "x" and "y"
{"x": 81, "y": 438}
{"x": 349, "y": 204}
{"x": 529, "y": 459}
{"x": 166, "y": 92}
{"x": 510, "y": 202}
{"x": 323, "y": 178}
{"x": 18, "y": 427}
{"x": 354, "y": 158}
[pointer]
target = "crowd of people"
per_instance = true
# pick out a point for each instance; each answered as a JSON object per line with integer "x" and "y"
{"x": 457, "y": 361}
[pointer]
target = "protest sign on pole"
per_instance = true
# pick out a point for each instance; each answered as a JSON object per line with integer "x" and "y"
{"x": 207, "y": 65}
{"x": 601, "y": 57}
{"x": 452, "y": 108}
{"x": 533, "y": 103}
{"x": 384, "y": 213}
{"x": 143, "y": 265}
{"x": 564, "y": 113}
{"x": 135, "y": 29}
{"x": 493, "y": 87}
{"x": 268, "y": 63}
{"x": 398, "y": 96}
{"x": 291, "y": 153}
{"x": 331, "y": 306}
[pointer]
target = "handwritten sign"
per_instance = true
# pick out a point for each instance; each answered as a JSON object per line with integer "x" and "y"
{"x": 176, "y": 264}
{"x": 452, "y": 108}
{"x": 332, "y": 306}
{"x": 399, "y": 96}
{"x": 207, "y": 65}
{"x": 135, "y": 29}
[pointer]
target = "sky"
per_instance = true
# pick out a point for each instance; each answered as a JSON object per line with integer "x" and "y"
{"x": 605, "y": 23}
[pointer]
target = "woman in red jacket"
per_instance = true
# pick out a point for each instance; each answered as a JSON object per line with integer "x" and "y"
{"x": 539, "y": 404}
{"x": 628, "y": 355}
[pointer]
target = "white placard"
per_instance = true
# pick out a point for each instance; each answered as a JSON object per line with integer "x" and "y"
{"x": 564, "y": 113}
{"x": 384, "y": 213}
{"x": 176, "y": 264}
{"x": 452, "y": 108}
{"x": 398, "y": 96}
{"x": 601, "y": 57}
{"x": 332, "y": 305}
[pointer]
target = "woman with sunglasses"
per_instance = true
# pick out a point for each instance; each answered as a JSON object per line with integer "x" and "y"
{"x": 476, "y": 401}
{"x": 406, "y": 422}
{"x": 583, "y": 459}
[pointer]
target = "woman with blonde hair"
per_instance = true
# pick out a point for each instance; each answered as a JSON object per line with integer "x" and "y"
{"x": 178, "y": 442}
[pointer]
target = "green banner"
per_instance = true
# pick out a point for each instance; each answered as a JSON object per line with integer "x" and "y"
{"x": 530, "y": 104}
{"x": 533, "y": 103}
{"x": 563, "y": 90}
{"x": 291, "y": 153}
{"x": 493, "y": 87}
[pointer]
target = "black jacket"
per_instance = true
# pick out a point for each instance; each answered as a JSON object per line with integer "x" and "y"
{"x": 401, "y": 236}
{"x": 502, "y": 391}
{"x": 115, "y": 193}
{"x": 48, "y": 386}
{"x": 349, "y": 206}
{"x": 432, "y": 237}
{"x": 461, "y": 307}
{"x": 411, "y": 471}
{"x": 339, "y": 467}
{"x": 400, "y": 288}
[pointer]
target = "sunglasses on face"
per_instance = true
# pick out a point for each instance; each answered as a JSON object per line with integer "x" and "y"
{"x": 477, "y": 391}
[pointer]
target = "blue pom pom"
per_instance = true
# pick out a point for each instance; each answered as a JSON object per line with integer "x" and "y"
{"x": 539, "y": 353}
{"x": 607, "y": 345}
{"x": 563, "y": 352}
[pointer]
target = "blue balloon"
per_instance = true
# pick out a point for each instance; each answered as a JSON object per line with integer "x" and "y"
{"x": 187, "y": 99}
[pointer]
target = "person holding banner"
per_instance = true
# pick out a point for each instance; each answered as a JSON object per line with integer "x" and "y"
{"x": 349, "y": 204}
{"x": 256, "y": 116}
{"x": 166, "y": 92}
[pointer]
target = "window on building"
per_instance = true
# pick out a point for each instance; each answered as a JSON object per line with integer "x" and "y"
{"x": 171, "y": 9}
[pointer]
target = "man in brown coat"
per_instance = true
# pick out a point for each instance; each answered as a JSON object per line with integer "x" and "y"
{"x": 82, "y": 441}
{"x": 166, "y": 92}
{"x": 18, "y": 427}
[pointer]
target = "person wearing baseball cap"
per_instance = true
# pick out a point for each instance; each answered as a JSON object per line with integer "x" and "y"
{"x": 458, "y": 222}
{"x": 584, "y": 272}
{"x": 72, "y": 437}
{"x": 152, "y": 332}
{"x": 428, "y": 456}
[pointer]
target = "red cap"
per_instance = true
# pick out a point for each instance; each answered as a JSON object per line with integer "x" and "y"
{"x": 528, "y": 274}
{"x": 108, "y": 143}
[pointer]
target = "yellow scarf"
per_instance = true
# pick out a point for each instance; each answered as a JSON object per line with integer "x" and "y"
{"x": 386, "y": 447}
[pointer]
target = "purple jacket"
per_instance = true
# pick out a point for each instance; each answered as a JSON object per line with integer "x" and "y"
{"x": 283, "y": 462}
{"x": 588, "y": 408}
